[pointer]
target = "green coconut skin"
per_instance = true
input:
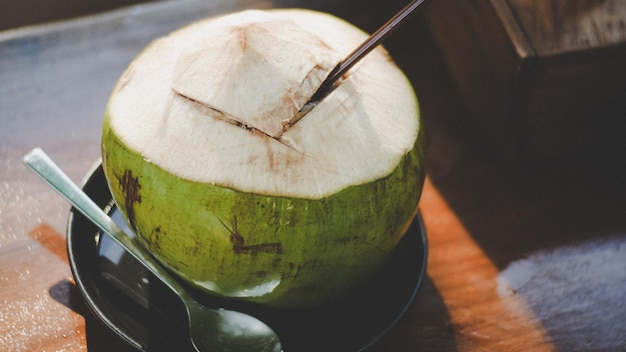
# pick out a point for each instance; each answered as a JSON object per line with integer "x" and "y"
{"x": 278, "y": 251}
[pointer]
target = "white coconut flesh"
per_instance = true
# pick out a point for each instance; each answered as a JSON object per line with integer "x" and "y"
{"x": 217, "y": 102}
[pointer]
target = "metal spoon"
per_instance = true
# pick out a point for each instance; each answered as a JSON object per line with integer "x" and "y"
{"x": 210, "y": 329}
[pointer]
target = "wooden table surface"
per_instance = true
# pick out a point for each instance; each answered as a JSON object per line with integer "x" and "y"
{"x": 526, "y": 258}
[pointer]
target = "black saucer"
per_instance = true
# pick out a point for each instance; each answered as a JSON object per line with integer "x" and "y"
{"x": 149, "y": 317}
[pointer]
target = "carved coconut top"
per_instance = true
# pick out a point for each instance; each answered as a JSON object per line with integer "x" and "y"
{"x": 256, "y": 68}
{"x": 213, "y": 102}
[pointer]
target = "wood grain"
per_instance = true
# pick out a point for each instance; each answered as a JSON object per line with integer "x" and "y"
{"x": 561, "y": 26}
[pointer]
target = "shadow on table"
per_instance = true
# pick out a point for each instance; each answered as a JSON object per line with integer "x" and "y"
{"x": 99, "y": 338}
{"x": 425, "y": 327}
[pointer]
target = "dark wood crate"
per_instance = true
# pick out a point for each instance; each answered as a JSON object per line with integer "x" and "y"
{"x": 540, "y": 78}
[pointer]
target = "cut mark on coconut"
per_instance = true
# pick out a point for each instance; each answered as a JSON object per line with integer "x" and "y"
{"x": 223, "y": 116}
{"x": 240, "y": 247}
{"x": 310, "y": 105}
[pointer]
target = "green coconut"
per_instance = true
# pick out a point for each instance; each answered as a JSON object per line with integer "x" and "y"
{"x": 228, "y": 185}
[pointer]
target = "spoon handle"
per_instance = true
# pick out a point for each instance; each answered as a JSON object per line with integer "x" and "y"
{"x": 39, "y": 162}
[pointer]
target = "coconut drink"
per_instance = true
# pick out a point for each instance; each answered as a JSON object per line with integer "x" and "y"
{"x": 214, "y": 166}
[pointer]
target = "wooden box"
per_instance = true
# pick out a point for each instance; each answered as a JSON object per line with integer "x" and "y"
{"x": 541, "y": 78}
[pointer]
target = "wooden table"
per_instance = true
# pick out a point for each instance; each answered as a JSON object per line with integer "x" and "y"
{"x": 520, "y": 259}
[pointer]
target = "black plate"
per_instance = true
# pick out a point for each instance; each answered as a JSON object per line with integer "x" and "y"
{"x": 149, "y": 317}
